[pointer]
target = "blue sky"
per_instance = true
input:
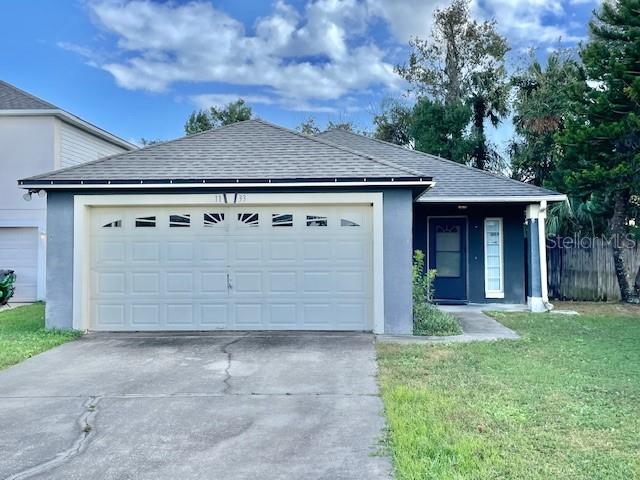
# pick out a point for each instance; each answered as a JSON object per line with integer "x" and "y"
{"x": 138, "y": 68}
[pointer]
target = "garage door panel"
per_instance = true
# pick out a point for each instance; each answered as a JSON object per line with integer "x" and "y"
{"x": 146, "y": 315}
{"x": 213, "y": 282}
{"x": 240, "y": 269}
{"x": 145, "y": 252}
{"x": 214, "y": 315}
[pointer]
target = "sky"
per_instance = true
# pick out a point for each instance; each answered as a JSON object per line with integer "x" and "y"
{"x": 139, "y": 68}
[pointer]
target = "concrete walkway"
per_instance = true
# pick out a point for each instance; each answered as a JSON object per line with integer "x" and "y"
{"x": 218, "y": 406}
{"x": 476, "y": 327}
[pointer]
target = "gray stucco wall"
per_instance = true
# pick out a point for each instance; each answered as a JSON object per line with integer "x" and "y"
{"x": 397, "y": 210}
{"x": 59, "y": 308}
{"x": 514, "y": 245}
{"x": 398, "y": 247}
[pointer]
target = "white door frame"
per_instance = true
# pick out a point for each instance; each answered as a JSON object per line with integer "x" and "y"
{"x": 82, "y": 254}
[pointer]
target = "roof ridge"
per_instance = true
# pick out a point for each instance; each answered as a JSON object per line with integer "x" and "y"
{"x": 438, "y": 158}
{"x": 344, "y": 148}
{"x": 30, "y": 95}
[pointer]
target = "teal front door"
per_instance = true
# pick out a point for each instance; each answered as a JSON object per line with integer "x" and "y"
{"x": 448, "y": 256}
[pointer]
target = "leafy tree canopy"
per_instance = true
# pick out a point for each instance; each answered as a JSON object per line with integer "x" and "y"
{"x": 214, "y": 117}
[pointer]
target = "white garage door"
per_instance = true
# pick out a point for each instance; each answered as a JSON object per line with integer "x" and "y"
{"x": 240, "y": 268}
{"x": 19, "y": 252}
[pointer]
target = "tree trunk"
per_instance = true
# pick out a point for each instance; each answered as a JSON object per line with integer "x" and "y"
{"x": 636, "y": 285}
{"x": 480, "y": 150}
{"x": 618, "y": 231}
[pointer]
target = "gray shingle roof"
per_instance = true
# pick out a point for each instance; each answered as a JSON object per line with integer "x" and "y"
{"x": 451, "y": 179}
{"x": 250, "y": 150}
{"x": 12, "y": 98}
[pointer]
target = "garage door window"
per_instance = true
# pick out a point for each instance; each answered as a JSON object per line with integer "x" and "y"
{"x": 142, "y": 222}
{"x": 179, "y": 220}
{"x": 249, "y": 219}
{"x": 213, "y": 219}
{"x": 345, "y": 222}
{"x": 282, "y": 220}
{"x": 114, "y": 224}
{"x": 316, "y": 221}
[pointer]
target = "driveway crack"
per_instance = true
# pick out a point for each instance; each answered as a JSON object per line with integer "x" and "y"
{"x": 227, "y": 373}
{"x": 87, "y": 428}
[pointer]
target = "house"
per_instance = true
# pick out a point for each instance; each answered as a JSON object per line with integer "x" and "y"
{"x": 256, "y": 227}
{"x": 36, "y": 136}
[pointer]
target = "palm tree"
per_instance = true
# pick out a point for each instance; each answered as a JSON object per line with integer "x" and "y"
{"x": 488, "y": 101}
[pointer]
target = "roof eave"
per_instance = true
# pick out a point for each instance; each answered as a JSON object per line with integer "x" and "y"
{"x": 559, "y": 197}
{"x": 73, "y": 120}
{"x": 391, "y": 182}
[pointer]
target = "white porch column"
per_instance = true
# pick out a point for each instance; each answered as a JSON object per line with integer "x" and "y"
{"x": 536, "y": 254}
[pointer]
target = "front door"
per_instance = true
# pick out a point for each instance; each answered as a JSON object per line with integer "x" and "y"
{"x": 448, "y": 256}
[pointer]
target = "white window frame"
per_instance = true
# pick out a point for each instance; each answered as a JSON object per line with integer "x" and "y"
{"x": 494, "y": 293}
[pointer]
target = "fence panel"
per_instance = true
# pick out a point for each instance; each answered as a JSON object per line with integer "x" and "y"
{"x": 586, "y": 271}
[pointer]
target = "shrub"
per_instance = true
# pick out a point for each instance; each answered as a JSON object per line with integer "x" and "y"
{"x": 7, "y": 279}
{"x": 427, "y": 318}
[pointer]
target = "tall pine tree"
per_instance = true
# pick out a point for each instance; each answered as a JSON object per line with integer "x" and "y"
{"x": 601, "y": 140}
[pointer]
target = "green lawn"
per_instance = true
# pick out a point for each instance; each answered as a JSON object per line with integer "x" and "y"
{"x": 562, "y": 403}
{"x": 22, "y": 334}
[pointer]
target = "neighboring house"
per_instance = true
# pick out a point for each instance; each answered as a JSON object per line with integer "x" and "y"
{"x": 256, "y": 227}
{"x": 36, "y": 136}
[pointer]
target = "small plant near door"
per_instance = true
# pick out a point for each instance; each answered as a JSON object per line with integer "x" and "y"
{"x": 427, "y": 318}
{"x": 7, "y": 281}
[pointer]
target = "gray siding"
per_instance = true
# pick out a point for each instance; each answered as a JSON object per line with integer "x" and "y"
{"x": 514, "y": 245}
{"x": 397, "y": 209}
{"x": 59, "y": 309}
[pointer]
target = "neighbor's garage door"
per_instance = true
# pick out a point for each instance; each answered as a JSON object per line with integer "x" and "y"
{"x": 19, "y": 252}
{"x": 243, "y": 268}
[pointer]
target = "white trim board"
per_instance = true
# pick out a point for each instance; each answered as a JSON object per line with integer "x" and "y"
{"x": 82, "y": 253}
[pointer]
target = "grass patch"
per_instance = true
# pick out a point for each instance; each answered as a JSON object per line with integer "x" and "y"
{"x": 22, "y": 334}
{"x": 563, "y": 402}
{"x": 430, "y": 320}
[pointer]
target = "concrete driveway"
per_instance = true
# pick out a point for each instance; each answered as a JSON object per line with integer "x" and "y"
{"x": 223, "y": 406}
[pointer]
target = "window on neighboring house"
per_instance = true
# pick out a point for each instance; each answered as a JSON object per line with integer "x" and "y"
{"x": 212, "y": 219}
{"x": 249, "y": 219}
{"x": 114, "y": 224}
{"x": 282, "y": 220}
{"x": 316, "y": 221}
{"x": 180, "y": 220}
{"x": 146, "y": 221}
{"x": 493, "y": 258}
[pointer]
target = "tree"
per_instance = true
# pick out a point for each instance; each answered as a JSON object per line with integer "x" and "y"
{"x": 145, "y": 142}
{"x": 601, "y": 140}
{"x": 393, "y": 123}
{"x": 309, "y": 127}
{"x": 488, "y": 99}
{"x": 442, "y": 66}
{"x": 540, "y": 107}
{"x": 440, "y": 130}
{"x": 462, "y": 62}
{"x": 341, "y": 125}
{"x": 202, "y": 120}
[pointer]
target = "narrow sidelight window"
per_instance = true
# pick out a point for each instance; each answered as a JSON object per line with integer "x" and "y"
{"x": 493, "y": 258}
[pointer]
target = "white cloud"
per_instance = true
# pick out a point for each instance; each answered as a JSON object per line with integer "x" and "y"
{"x": 298, "y": 58}
{"x": 207, "y": 100}
{"x": 161, "y": 44}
